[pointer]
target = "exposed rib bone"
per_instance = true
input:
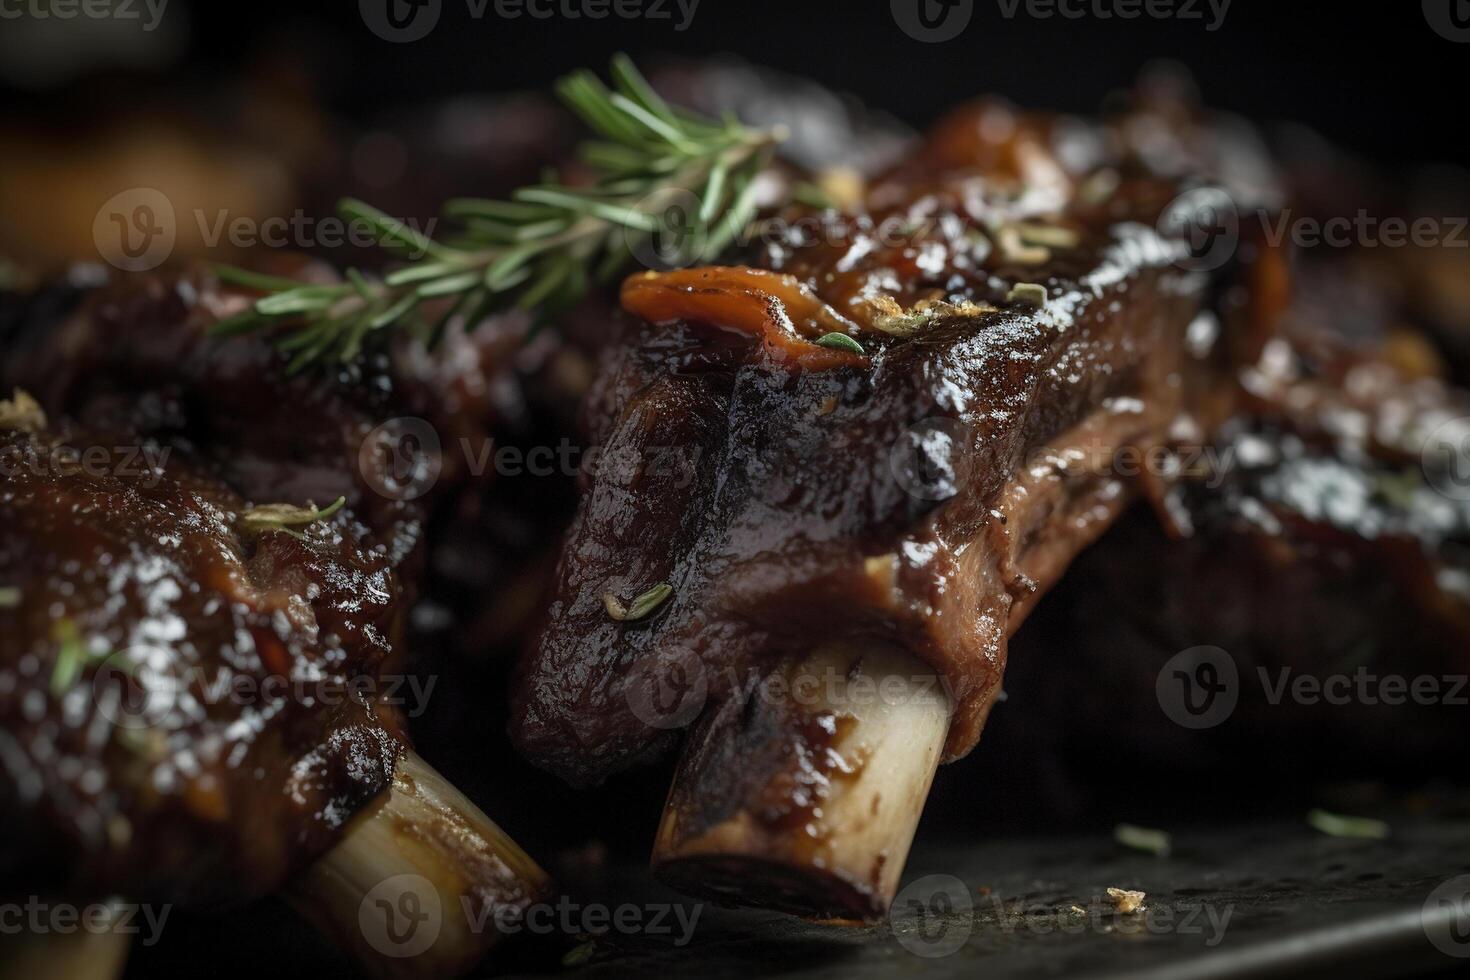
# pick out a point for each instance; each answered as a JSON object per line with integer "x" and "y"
{"x": 805, "y": 796}
{"x": 416, "y": 887}
{"x": 78, "y": 955}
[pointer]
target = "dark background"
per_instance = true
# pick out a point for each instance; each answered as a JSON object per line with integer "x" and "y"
{"x": 1373, "y": 76}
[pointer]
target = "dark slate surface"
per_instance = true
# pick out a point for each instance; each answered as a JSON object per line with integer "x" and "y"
{"x": 1236, "y": 898}
{"x": 1257, "y": 899}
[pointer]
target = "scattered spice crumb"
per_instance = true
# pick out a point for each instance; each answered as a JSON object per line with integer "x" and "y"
{"x": 1146, "y": 839}
{"x": 1338, "y": 825}
{"x": 1016, "y": 250}
{"x": 22, "y": 412}
{"x": 1030, "y": 293}
{"x": 1125, "y": 901}
{"x": 579, "y": 954}
{"x": 1048, "y": 236}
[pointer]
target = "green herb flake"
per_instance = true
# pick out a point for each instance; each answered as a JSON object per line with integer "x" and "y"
{"x": 840, "y": 341}
{"x": 639, "y": 607}
{"x": 1338, "y": 825}
{"x": 579, "y": 955}
{"x": 1048, "y": 236}
{"x": 1146, "y": 839}
{"x": 813, "y": 196}
{"x": 1029, "y": 293}
{"x": 281, "y": 517}
{"x": 71, "y": 657}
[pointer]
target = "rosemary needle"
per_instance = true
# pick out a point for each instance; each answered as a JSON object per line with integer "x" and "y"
{"x": 541, "y": 249}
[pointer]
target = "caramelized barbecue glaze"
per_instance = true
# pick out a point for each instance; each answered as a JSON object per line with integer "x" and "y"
{"x": 770, "y": 480}
{"x": 190, "y": 706}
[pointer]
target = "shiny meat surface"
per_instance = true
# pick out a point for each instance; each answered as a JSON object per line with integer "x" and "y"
{"x": 186, "y": 702}
{"x": 244, "y": 654}
{"x": 1323, "y": 575}
{"x": 1008, "y": 285}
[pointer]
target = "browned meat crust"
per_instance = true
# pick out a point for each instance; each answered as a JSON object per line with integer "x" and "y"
{"x": 245, "y": 661}
{"x": 791, "y": 492}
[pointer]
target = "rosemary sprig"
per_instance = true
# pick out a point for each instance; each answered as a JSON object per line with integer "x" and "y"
{"x": 657, "y": 170}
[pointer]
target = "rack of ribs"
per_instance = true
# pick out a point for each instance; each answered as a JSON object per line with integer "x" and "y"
{"x": 195, "y": 662}
{"x": 835, "y": 478}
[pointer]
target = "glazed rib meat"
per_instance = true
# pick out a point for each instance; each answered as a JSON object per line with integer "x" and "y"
{"x": 1021, "y": 318}
{"x": 190, "y": 691}
{"x": 1328, "y": 544}
{"x": 145, "y": 751}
